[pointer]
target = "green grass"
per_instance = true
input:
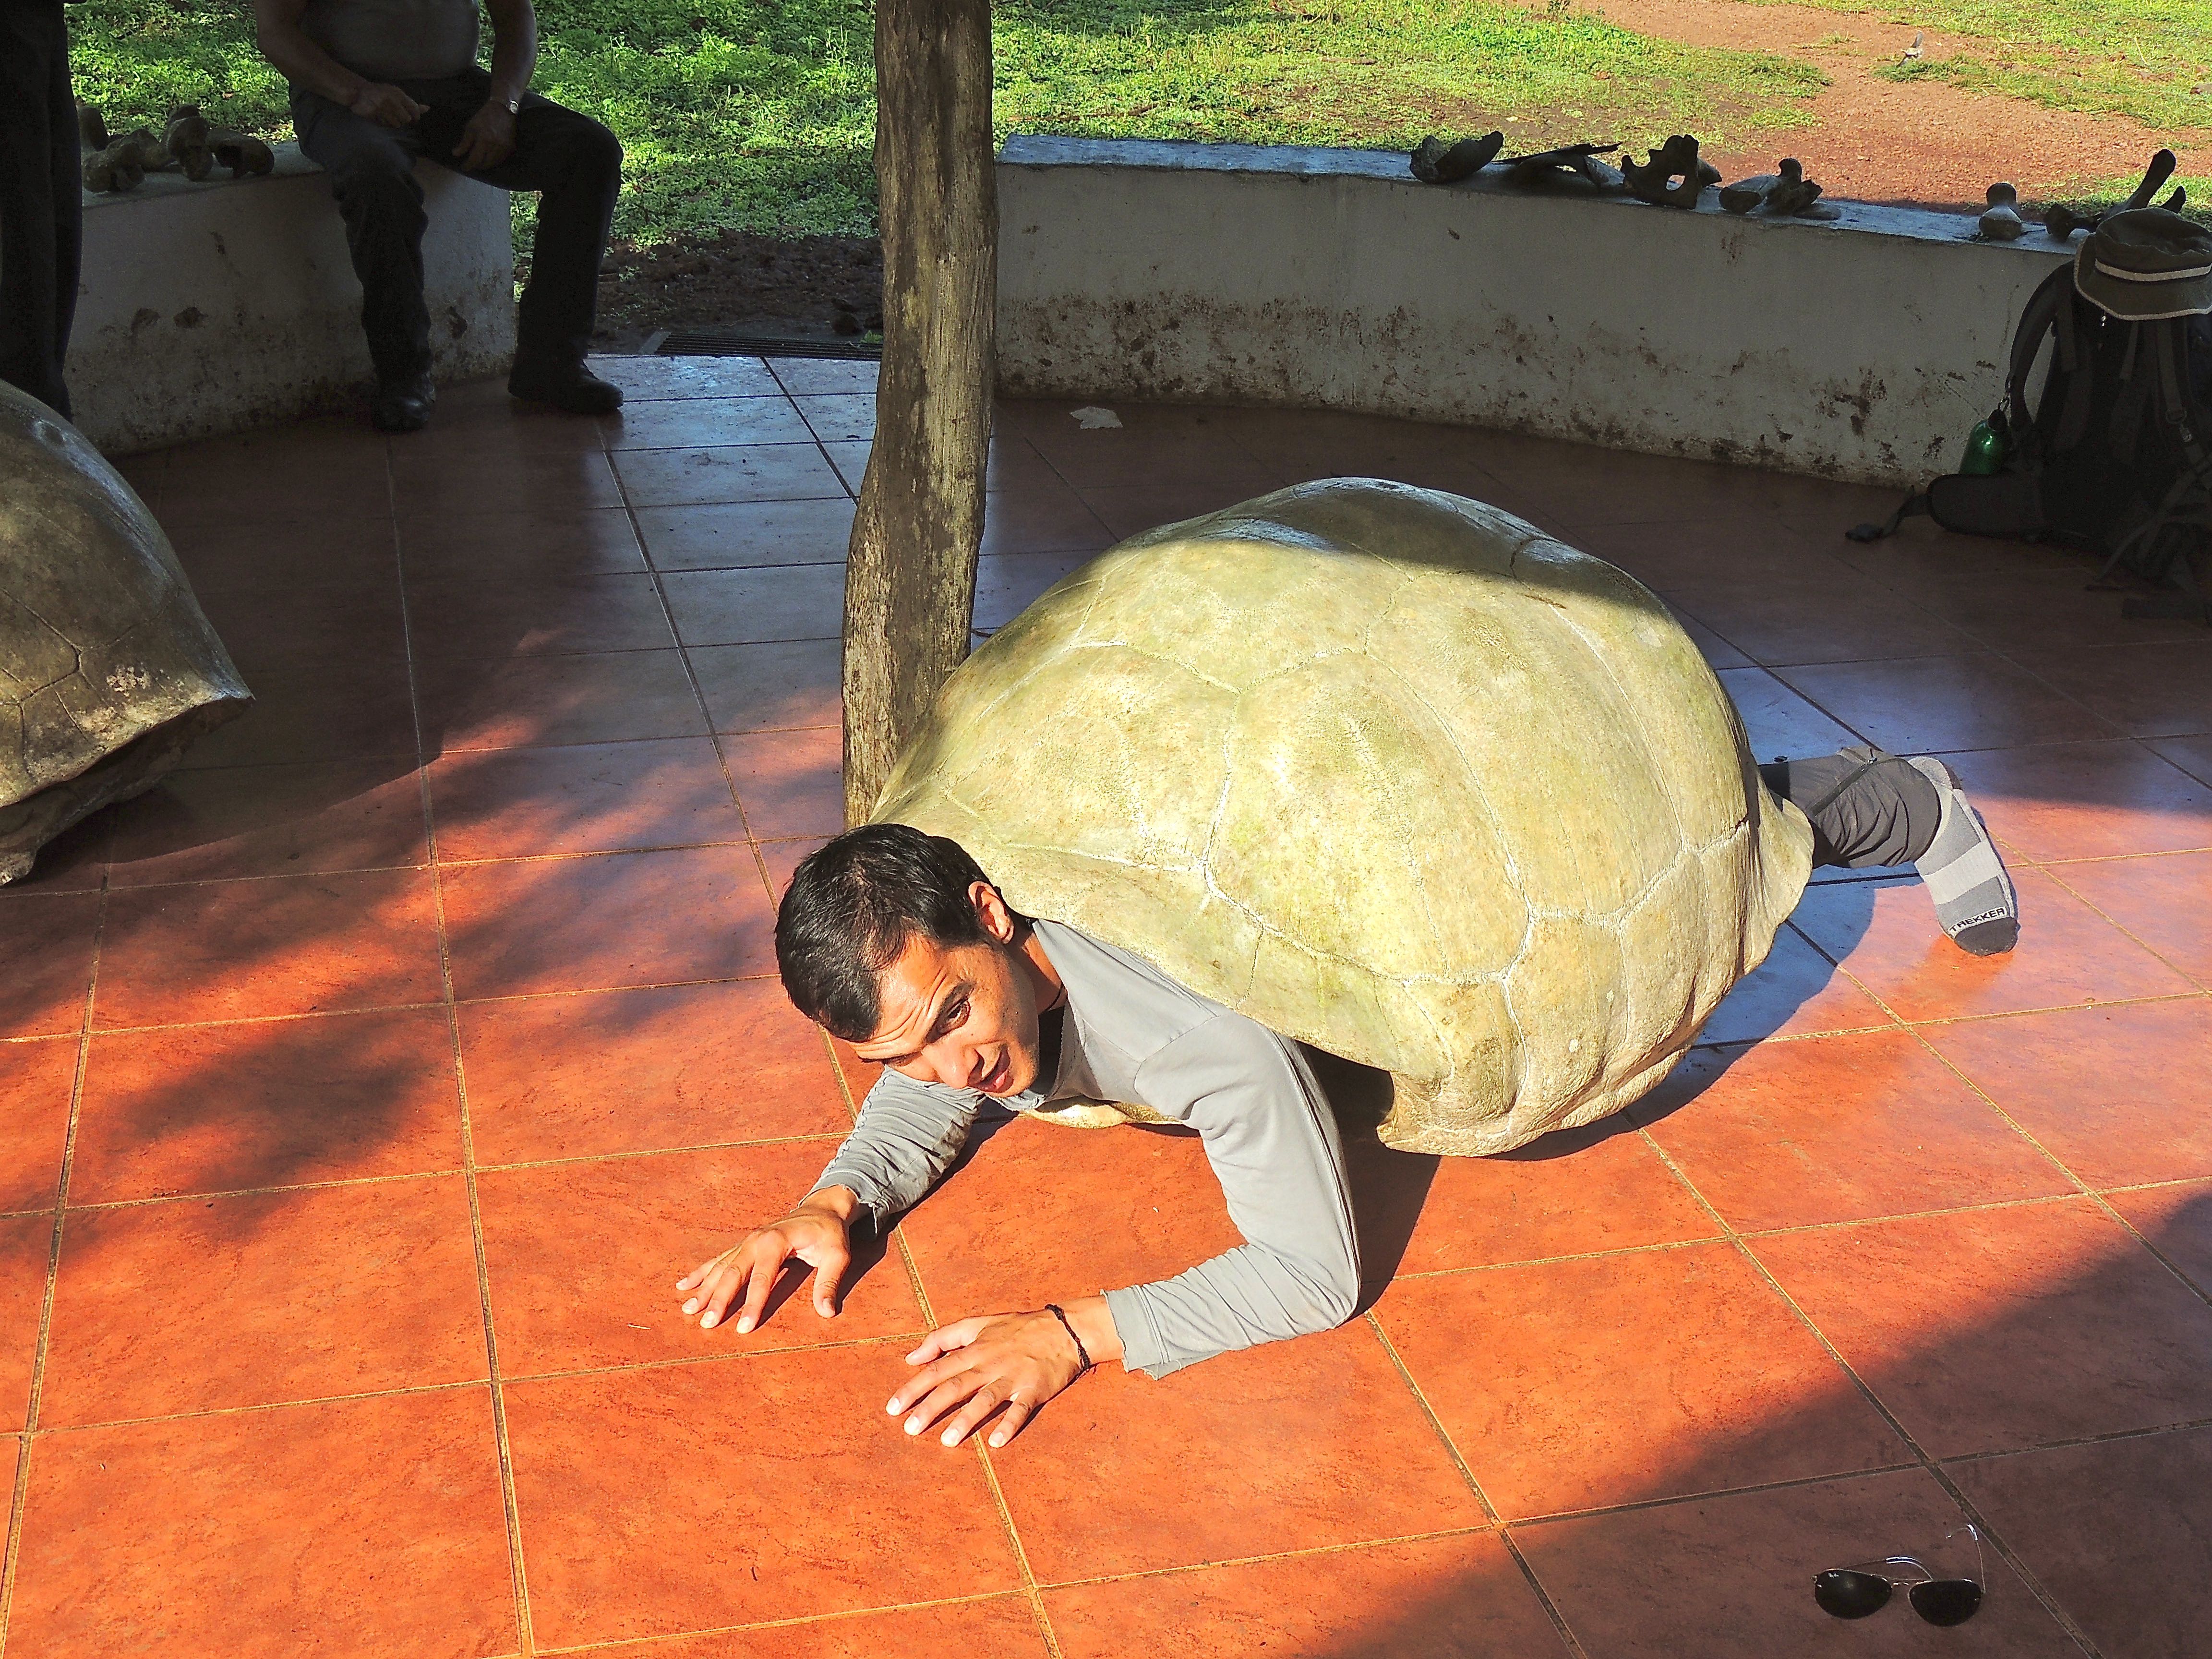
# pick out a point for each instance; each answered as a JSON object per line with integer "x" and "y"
{"x": 134, "y": 59}
{"x": 754, "y": 115}
{"x": 2140, "y": 58}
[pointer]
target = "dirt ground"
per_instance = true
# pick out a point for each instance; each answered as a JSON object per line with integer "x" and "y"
{"x": 791, "y": 288}
{"x": 1918, "y": 143}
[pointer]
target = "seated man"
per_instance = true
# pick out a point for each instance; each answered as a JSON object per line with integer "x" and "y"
{"x": 377, "y": 83}
{"x": 898, "y": 943}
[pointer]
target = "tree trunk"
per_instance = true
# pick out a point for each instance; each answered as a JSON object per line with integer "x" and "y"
{"x": 910, "y": 584}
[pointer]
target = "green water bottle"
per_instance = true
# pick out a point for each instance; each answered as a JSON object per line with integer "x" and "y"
{"x": 1987, "y": 446}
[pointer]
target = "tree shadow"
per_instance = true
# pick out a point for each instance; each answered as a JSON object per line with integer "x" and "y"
{"x": 1691, "y": 1556}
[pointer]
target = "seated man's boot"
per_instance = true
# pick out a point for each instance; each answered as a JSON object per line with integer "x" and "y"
{"x": 565, "y": 386}
{"x": 402, "y": 405}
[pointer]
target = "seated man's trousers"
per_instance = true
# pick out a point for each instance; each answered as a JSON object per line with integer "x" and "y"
{"x": 41, "y": 212}
{"x": 570, "y": 159}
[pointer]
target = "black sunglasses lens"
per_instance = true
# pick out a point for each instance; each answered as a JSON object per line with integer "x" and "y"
{"x": 1946, "y": 1601}
{"x": 1850, "y": 1595}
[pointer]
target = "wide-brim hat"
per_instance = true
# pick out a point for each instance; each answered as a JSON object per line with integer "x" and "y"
{"x": 2145, "y": 264}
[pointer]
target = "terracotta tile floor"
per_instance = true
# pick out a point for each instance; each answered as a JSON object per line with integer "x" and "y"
{"x": 364, "y": 1089}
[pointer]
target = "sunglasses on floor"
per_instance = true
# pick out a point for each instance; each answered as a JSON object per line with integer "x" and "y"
{"x": 1949, "y": 1596}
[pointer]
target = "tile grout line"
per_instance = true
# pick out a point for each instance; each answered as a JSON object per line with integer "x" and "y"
{"x": 2084, "y": 1189}
{"x": 2194, "y": 1426}
{"x": 631, "y": 509}
{"x": 339, "y": 1182}
{"x": 1927, "y": 1461}
{"x": 458, "y": 1384}
{"x": 1030, "y": 1589}
{"x": 1675, "y": 1500}
{"x": 503, "y": 1448}
{"x": 1559, "y": 1626}
{"x": 2124, "y": 930}
{"x": 1302, "y": 1553}
{"x": 809, "y": 1618}
{"x": 11, "y": 1565}
{"x": 2192, "y": 995}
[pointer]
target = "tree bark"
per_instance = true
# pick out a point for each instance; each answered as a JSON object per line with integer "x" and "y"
{"x": 910, "y": 581}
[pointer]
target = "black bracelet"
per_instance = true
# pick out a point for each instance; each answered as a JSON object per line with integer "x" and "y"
{"x": 1081, "y": 1353}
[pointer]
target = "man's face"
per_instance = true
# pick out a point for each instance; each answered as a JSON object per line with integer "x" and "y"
{"x": 966, "y": 1017}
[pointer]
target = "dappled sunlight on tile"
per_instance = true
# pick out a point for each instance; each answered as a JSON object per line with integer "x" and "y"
{"x": 25, "y": 1244}
{"x": 570, "y": 1076}
{"x": 263, "y": 1297}
{"x": 242, "y": 1536}
{"x": 2087, "y": 800}
{"x": 1574, "y": 1192}
{"x": 2119, "y": 1094}
{"x": 1436, "y": 1598}
{"x": 1294, "y": 1445}
{"x": 425, "y": 1027}
{"x": 1619, "y": 1379}
{"x": 36, "y": 1081}
{"x": 1732, "y": 1577}
{"x": 2165, "y": 901}
{"x": 266, "y": 1102}
{"x": 280, "y": 944}
{"x": 666, "y": 1499}
{"x": 583, "y": 1258}
{"x": 590, "y": 798}
{"x": 620, "y": 919}
{"x": 1797, "y": 991}
{"x": 1885, "y": 935}
{"x": 1988, "y": 1330}
{"x": 1838, "y": 1128}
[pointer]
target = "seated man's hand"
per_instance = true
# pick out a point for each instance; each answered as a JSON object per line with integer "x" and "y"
{"x": 487, "y": 140}
{"x": 1016, "y": 1360}
{"x": 387, "y": 105}
{"x": 817, "y": 1232}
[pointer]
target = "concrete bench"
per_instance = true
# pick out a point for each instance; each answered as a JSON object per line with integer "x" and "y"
{"x": 1865, "y": 348}
{"x": 211, "y": 307}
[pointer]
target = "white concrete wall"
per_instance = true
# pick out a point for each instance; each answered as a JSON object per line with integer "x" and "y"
{"x": 1865, "y": 348}
{"x": 212, "y": 307}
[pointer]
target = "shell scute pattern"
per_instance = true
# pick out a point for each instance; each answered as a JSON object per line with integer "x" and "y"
{"x": 108, "y": 670}
{"x": 1394, "y": 774}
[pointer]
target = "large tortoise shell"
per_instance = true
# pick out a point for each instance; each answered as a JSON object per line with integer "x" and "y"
{"x": 107, "y": 668}
{"x": 1392, "y": 772}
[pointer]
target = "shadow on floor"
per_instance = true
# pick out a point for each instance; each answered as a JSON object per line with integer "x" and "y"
{"x": 2096, "y": 1519}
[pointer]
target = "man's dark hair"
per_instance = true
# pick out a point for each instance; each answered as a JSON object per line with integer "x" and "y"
{"x": 851, "y": 909}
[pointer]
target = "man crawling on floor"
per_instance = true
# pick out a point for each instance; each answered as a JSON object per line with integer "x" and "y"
{"x": 898, "y": 943}
{"x": 1374, "y": 769}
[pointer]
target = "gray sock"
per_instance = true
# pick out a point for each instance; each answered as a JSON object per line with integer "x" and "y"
{"x": 1973, "y": 894}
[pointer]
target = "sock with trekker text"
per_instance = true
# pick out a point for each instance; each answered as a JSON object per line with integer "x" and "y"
{"x": 1973, "y": 894}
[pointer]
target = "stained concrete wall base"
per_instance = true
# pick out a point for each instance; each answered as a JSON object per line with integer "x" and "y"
{"x": 1864, "y": 348}
{"x": 212, "y": 307}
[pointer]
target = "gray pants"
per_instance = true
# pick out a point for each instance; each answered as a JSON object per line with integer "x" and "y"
{"x": 1866, "y": 808}
{"x": 41, "y": 216}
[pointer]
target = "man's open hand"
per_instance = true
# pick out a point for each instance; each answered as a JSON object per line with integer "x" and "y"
{"x": 817, "y": 1232}
{"x": 387, "y": 105}
{"x": 487, "y": 140}
{"x": 1015, "y": 1360}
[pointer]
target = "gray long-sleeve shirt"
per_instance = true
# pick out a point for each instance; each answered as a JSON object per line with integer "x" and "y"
{"x": 1133, "y": 1034}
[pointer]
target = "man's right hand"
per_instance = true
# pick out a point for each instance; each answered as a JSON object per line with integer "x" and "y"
{"x": 818, "y": 1232}
{"x": 386, "y": 106}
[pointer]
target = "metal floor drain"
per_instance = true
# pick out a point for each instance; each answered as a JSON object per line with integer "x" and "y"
{"x": 733, "y": 343}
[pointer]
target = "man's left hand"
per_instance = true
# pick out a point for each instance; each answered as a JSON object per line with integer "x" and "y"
{"x": 487, "y": 140}
{"x": 1016, "y": 1360}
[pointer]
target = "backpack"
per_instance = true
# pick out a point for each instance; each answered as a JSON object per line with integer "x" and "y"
{"x": 2111, "y": 456}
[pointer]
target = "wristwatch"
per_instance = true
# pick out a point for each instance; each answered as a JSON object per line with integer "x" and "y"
{"x": 515, "y": 106}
